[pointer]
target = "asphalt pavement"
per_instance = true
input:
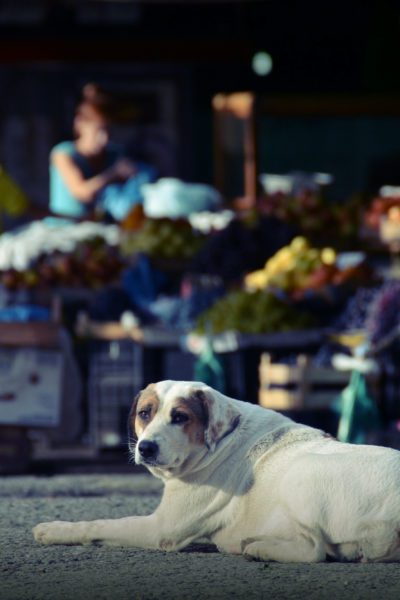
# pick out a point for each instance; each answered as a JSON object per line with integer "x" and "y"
{"x": 29, "y": 571}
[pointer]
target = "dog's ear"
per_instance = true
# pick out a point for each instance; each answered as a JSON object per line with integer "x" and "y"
{"x": 220, "y": 417}
{"x": 132, "y": 437}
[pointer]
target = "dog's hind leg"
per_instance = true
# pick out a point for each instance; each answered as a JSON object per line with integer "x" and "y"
{"x": 300, "y": 549}
{"x": 381, "y": 543}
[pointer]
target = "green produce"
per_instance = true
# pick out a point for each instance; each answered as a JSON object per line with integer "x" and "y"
{"x": 163, "y": 238}
{"x": 252, "y": 312}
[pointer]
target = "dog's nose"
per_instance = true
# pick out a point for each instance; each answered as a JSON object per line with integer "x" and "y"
{"x": 148, "y": 449}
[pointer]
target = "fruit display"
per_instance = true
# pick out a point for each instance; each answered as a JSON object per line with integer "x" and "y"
{"x": 243, "y": 245}
{"x": 314, "y": 215}
{"x": 163, "y": 239}
{"x": 299, "y": 267}
{"x": 92, "y": 264}
{"x": 382, "y": 206}
{"x": 381, "y": 221}
{"x": 20, "y": 248}
{"x": 389, "y": 229}
{"x": 252, "y": 312}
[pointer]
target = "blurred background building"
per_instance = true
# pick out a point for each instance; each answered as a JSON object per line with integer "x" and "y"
{"x": 215, "y": 92}
{"x": 332, "y": 76}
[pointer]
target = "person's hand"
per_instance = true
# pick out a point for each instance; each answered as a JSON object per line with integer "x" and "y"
{"x": 123, "y": 169}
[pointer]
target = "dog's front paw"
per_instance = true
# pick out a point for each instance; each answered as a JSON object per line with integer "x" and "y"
{"x": 55, "y": 532}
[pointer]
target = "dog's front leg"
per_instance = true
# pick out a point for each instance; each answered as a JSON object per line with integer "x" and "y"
{"x": 171, "y": 527}
{"x": 142, "y": 532}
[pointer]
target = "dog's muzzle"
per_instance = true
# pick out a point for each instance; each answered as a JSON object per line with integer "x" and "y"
{"x": 148, "y": 450}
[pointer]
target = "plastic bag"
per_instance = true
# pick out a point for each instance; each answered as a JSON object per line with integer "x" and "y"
{"x": 143, "y": 283}
{"x": 170, "y": 197}
{"x": 359, "y": 413}
{"x": 208, "y": 368}
{"x": 118, "y": 199}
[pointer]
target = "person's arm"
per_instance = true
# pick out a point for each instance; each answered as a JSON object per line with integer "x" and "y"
{"x": 85, "y": 190}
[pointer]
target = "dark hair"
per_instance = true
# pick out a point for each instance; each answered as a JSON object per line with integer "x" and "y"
{"x": 96, "y": 101}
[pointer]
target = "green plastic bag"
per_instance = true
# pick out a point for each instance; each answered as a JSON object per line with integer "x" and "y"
{"x": 208, "y": 368}
{"x": 359, "y": 413}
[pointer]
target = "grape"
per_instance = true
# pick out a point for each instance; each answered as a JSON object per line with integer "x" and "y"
{"x": 384, "y": 313}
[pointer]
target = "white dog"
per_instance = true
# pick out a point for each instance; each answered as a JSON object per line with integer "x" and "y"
{"x": 250, "y": 481}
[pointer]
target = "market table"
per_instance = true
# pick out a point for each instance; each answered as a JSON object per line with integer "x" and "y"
{"x": 123, "y": 359}
{"x": 146, "y": 354}
{"x": 244, "y": 350}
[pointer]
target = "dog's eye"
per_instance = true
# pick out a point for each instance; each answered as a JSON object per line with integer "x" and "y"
{"x": 144, "y": 414}
{"x": 178, "y": 418}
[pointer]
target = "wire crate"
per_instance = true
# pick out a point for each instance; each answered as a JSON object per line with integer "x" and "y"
{"x": 15, "y": 449}
{"x": 115, "y": 375}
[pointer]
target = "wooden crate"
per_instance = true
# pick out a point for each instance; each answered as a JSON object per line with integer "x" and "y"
{"x": 299, "y": 386}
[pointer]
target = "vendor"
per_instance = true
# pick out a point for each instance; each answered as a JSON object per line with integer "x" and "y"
{"x": 91, "y": 173}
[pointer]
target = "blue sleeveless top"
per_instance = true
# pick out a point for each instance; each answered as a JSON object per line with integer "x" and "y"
{"x": 62, "y": 202}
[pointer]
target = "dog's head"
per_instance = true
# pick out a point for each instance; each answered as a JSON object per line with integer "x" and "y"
{"x": 176, "y": 423}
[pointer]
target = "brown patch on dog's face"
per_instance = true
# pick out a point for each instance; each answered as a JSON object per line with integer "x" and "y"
{"x": 194, "y": 415}
{"x": 218, "y": 422}
{"x": 143, "y": 410}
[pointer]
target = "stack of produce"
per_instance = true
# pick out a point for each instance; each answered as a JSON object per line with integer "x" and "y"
{"x": 382, "y": 206}
{"x": 19, "y": 248}
{"x": 163, "y": 239}
{"x": 252, "y": 312}
{"x": 243, "y": 245}
{"x": 314, "y": 215}
{"x": 299, "y": 268}
{"x": 92, "y": 264}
